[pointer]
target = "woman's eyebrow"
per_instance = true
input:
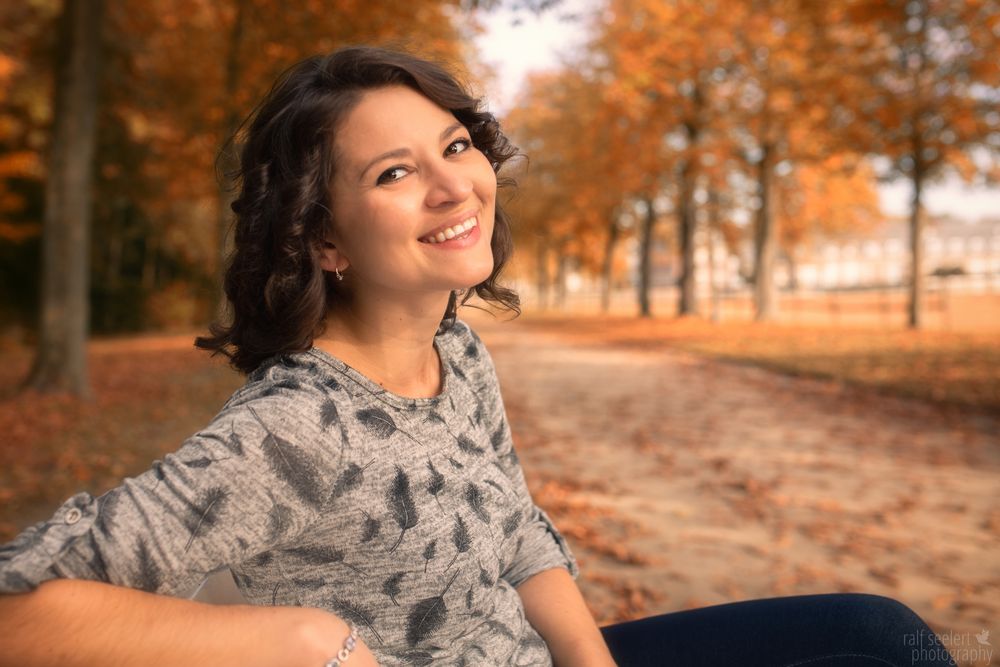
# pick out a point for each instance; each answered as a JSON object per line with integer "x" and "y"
{"x": 403, "y": 152}
{"x": 450, "y": 129}
{"x": 398, "y": 152}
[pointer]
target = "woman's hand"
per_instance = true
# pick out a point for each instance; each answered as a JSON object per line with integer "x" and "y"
{"x": 83, "y": 623}
{"x": 315, "y": 634}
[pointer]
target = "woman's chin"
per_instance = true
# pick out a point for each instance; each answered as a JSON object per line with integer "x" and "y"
{"x": 473, "y": 275}
{"x": 477, "y": 279}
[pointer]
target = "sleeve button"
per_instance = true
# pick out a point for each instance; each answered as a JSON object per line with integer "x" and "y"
{"x": 73, "y": 515}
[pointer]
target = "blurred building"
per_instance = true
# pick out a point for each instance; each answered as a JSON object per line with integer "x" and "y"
{"x": 963, "y": 251}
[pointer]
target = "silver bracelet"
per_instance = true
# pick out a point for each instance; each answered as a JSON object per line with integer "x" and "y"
{"x": 345, "y": 653}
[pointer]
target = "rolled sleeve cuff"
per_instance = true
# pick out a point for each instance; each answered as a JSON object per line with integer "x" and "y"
{"x": 542, "y": 547}
{"x": 34, "y": 556}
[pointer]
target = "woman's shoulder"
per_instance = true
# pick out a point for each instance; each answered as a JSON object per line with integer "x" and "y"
{"x": 284, "y": 402}
{"x": 469, "y": 358}
{"x": 284, "y": 382}
{"x": 463, "y": 338}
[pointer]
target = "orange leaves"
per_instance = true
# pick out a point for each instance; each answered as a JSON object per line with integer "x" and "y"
{"x": 830, "y": 196}
{"x": 570, "y": 184}
{"x": 629, "y": 600}
{"x": 930, "y": 62}
{"x": 177, "y": 74}
{"x": 684, "y": 99}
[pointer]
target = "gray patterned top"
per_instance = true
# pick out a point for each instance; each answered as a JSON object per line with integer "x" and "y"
{"x": 317, "y": 487}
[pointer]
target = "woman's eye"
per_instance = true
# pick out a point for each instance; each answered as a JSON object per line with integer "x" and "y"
{"x": 391, "y": 175}
{"x": 458, "y": 146}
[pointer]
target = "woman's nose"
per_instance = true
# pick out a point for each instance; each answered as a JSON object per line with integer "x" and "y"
{"x": 449, "y": 183}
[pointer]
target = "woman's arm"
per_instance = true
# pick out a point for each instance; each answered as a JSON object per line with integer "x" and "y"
{"x": 76, "y": 623}
{"x": 555, "y": 608}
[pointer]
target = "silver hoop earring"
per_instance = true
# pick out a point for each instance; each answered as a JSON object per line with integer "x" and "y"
{"x": 337, "y": 273}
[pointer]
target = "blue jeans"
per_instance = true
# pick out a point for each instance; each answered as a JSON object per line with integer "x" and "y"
{"x": 829, "y": 630}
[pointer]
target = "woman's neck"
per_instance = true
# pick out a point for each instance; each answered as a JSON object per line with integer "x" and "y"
{"x": 392, "y": 346}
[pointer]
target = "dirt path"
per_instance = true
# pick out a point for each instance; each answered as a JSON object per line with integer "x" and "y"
{"x": 682, "y": 482}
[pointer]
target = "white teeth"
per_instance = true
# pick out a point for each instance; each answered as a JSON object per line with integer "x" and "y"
{"x": 451, "y": 232}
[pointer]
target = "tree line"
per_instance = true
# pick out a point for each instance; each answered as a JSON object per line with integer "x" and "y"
{"x": 763, "y": 120}
{"x": 114, "y": 184}
{"x": 115, "y": 113}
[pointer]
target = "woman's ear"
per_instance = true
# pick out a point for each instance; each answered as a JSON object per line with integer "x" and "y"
{"x": 331, "y": 259}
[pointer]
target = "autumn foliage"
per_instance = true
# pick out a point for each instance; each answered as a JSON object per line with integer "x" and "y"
{"x": 754, "y": 121}
{"x": 177, "y": 78}
{"x": 760, "y": 122}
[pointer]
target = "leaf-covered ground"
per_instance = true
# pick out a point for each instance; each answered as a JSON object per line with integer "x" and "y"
{"x": 683, "y": 481}
{"x": 961, "y": 369}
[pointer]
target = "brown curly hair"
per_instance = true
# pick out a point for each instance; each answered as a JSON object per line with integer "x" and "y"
{"x": 278, "y": 294}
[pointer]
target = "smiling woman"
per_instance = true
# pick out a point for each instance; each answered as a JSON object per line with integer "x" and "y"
{"x": 428, "y": 189}
{"x": 347, "y": 153}
{"x": 362, "y": 487}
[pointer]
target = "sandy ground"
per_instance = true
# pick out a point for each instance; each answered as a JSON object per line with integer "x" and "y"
{"x": 682, "y": 482}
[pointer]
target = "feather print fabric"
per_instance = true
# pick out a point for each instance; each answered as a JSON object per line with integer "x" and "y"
{"x": 427, "y": 616}
{"x": 400, "y": 503}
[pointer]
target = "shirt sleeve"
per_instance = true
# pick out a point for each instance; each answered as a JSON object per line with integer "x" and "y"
{"x": 241, "y": 486}
{"x": 540, "y": 545}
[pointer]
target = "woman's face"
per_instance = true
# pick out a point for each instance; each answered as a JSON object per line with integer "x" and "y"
{"x": 413, "y": 200}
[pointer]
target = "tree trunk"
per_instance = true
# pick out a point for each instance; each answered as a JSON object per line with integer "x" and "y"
{"x": 686, "y": 226}
{"x": 793, "y": 270}
{"x": 645, "y": 257}
{"x": 542, "y": 273}
{"x": 149, "y": 261}
{"x": 117, "y": 228}
{"x": 764, "y": 242}
{"x": 561, "y": 260}
{"x": 61, "y": 360}
{"x": 115, "y": 231}
{"x": 916, "y": 306}
{"x": 713, "y": 227}
{"x": 228, "y": 159}
{"x": 608, "y": 266}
